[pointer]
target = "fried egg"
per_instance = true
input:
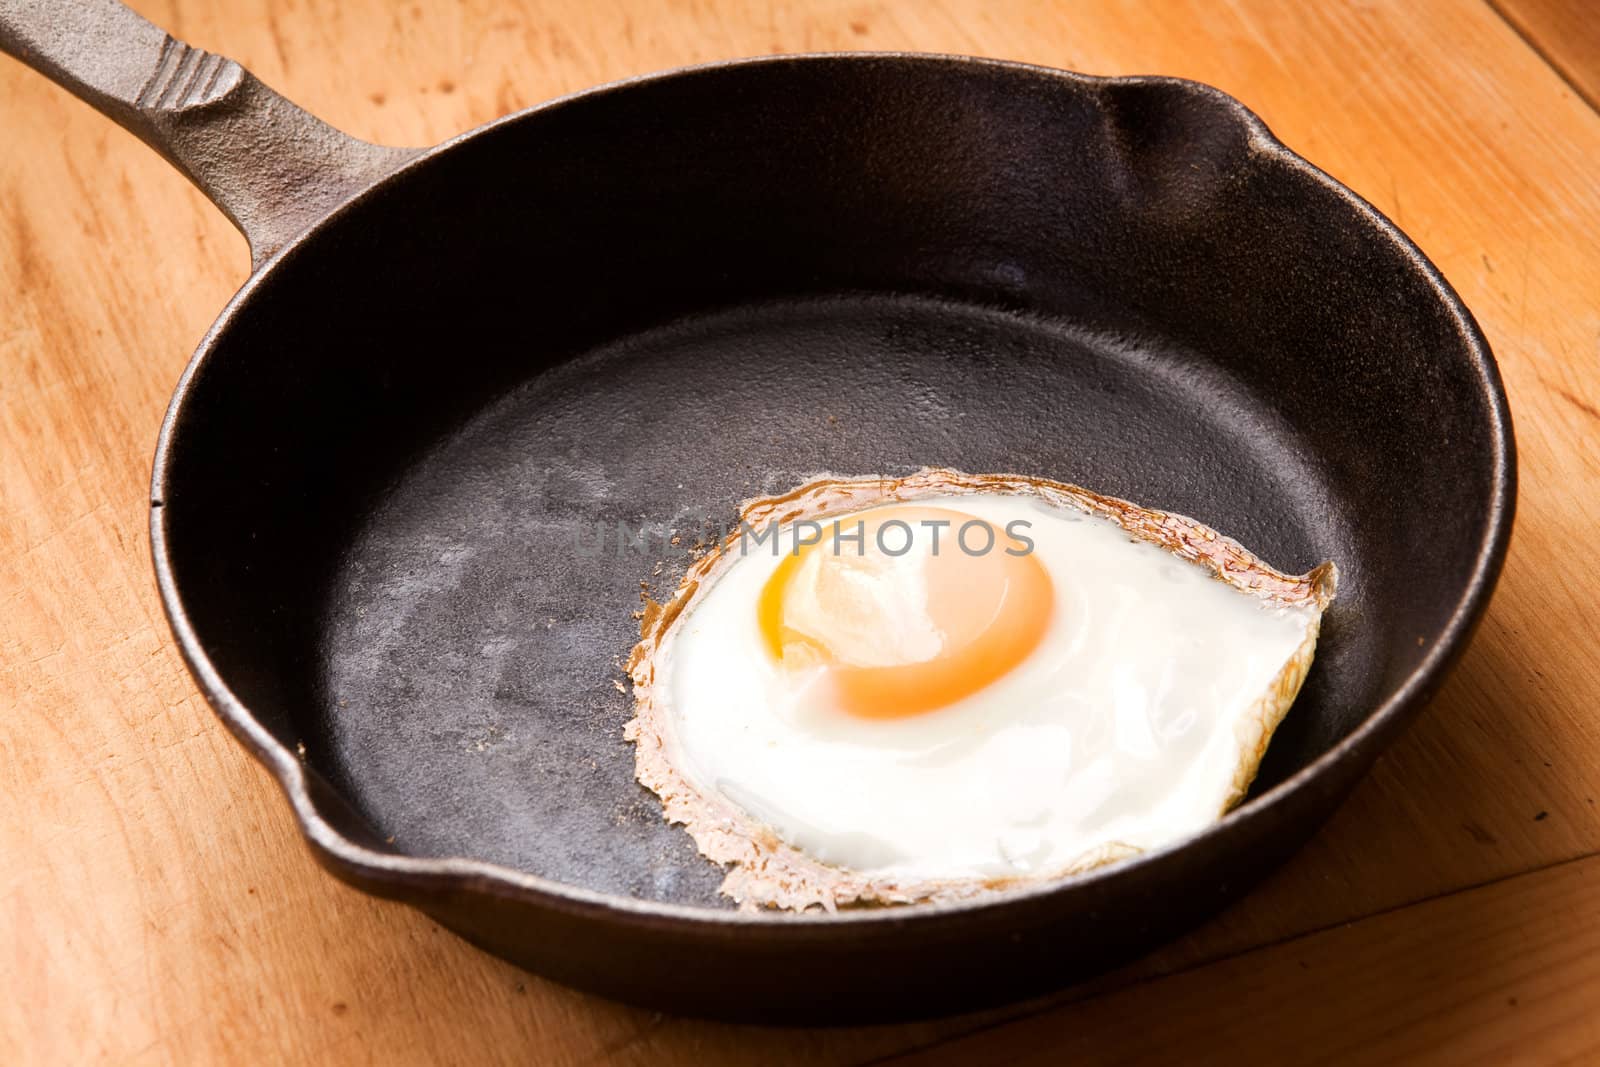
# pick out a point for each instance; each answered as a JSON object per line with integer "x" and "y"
{"x": 933, "y": 687}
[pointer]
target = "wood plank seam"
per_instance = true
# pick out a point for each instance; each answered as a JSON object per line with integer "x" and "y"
{"x": 1065, "y": 998}
{"x": 1543, "y": 53}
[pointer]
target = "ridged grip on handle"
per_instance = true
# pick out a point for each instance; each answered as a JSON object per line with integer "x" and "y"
{"x": 273, "y": 168}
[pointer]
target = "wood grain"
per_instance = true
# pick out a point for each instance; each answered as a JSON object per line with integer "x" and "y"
{"x": 155, "y": 903}
{"x": 1566, "y": 33}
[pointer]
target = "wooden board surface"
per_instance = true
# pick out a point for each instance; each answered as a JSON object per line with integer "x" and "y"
{"x": 155, "y": 902}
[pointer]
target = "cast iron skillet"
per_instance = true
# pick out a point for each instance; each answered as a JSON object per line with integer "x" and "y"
{"x": 649, "y": 301}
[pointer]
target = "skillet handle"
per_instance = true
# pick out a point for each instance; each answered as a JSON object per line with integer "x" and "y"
{"x": 272, "y": 168}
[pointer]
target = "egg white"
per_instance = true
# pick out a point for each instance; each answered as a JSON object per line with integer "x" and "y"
{"x": 1136, "y": 721}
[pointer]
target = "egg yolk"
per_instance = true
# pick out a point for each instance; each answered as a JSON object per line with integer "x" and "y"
{"x": 907, "y": 608}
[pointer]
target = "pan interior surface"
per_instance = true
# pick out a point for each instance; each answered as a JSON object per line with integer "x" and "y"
{"x": 470, "y": 681}
{"x": 389, "y": 475}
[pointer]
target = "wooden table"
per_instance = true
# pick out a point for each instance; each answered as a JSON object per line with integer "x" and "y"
{"x": 155, "y": 901}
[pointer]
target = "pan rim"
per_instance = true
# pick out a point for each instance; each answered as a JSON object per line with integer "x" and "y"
{"x": 394, "y": 874}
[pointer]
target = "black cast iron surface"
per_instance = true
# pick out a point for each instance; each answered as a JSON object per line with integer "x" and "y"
{"x": 673, "y": 296}
{"x": 462, "y": 625}
{"x": 647, "y": 303}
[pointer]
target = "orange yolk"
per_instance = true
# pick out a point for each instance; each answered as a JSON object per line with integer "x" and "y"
{"x": 901, "y": 633}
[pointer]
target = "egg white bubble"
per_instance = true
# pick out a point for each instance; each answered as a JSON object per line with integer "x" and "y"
{"x": 1120, "y": 728}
